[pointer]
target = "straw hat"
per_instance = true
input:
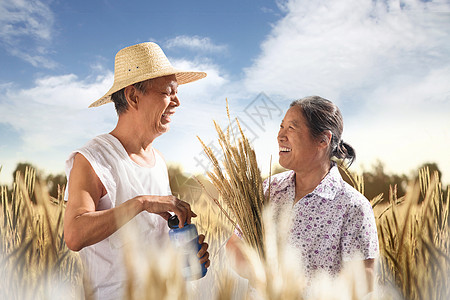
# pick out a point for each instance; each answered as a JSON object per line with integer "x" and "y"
{"x": 141, "y": 62}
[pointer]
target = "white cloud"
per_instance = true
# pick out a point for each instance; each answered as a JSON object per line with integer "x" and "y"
{"x": 33, "y": 59}
{"x": 329, "y": 47}
{"x": 64, "y": 91}
{"x": 214, "y": 80}
{"x": 267, "y": 10}
{"x": 26, "y": 29}
{"x": 52, "y": 117}
{"x": 406, "y": 124}
{"x": 25, "y": 18}
{"x": 386, "y": 63}
{"x": 393, "y": 60}
{"x": 67, "y": 91}
{"x": 195, "y": 43}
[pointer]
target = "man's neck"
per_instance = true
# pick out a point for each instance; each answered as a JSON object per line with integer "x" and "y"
{"x": 136, "y": 143}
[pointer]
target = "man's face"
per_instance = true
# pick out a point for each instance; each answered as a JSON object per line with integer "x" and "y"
{"x": 156, "y": 107}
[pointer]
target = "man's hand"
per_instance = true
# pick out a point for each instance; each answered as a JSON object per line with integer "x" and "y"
{"x": 203, "y": 253}
{"x": 84, "y": 225}
{"x": 162, "y": 205}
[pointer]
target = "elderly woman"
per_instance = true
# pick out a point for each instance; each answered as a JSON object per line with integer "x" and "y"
{"x": 331, "y": 222}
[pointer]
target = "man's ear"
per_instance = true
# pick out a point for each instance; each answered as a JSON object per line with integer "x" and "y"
{"x": 131, "y": 96}
{"x": 325, "y": 140}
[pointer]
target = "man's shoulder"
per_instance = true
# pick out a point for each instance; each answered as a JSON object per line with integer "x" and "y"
{"x": 100, "y": 152}
{"x": 101, "y": 139}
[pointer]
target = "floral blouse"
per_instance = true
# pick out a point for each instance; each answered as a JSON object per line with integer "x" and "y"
{"x": 331, "y": 225}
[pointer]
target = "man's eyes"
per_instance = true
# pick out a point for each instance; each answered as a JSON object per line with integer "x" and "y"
{"x": 169, "y": 93}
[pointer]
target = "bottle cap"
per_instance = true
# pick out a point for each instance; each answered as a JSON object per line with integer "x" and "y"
{"x": 173, "y": 222}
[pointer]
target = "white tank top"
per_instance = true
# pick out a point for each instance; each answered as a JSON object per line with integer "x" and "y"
{"x": 123, "y": 179}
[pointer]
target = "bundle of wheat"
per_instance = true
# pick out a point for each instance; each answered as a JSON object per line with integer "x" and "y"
{"x": 238, "y": 180}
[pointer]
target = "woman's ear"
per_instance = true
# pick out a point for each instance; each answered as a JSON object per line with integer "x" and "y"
{"x": 131, "y": 96}
{"x": 325, "y": 140}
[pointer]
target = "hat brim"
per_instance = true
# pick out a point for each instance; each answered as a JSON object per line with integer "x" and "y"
{"x": 182, "y": 78}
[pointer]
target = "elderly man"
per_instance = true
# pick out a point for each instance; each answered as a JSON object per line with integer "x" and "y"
{"x": 118, "y": 180}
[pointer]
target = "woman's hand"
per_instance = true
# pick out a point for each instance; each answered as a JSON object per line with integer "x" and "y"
{"x": 238, "y": 260}
{"x": 162, "y": 205}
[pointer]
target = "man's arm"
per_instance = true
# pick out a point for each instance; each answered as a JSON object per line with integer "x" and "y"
{"x": 84, "y": 226}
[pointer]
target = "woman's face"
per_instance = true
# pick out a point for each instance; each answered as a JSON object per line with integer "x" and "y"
{"x": 297, "y": 148}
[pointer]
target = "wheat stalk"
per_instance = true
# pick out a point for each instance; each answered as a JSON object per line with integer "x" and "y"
{"x": 238, "y": 181}
{"x": 32, "y": 249}
{"x": 414, "y": 241}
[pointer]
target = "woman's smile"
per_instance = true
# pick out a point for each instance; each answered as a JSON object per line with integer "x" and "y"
{"x": 284, "y": 150}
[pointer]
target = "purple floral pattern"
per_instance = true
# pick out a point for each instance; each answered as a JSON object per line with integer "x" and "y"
{"x": 331, "y": 225}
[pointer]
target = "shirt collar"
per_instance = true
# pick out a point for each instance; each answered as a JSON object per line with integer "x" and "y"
{"x": 284, "y": 180}
{"x": 327, "y": 188}
{"x": 329, "y": 185}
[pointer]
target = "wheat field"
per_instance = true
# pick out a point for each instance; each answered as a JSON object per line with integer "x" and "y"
{"x": 413, "y": 234}
{"x": 35, "y": 263}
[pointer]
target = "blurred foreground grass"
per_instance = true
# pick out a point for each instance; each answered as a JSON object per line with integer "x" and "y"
{"x": 413, "y": 233}
{"x": 35, "y": 262}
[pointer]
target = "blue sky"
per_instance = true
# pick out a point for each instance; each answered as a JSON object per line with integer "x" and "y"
{"x": 385, "y": 63}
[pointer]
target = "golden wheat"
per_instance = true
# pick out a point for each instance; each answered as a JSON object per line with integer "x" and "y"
{"x": 414, "y": 241}
{"x": 238, "y": 181}
{"x": 413, "y": 233}
{"x": 32, "y": 248}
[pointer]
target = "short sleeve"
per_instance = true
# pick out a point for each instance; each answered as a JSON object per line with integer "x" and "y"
{"x": 266, "y": 187}
{"x": 237, "y": 232}
{"x": 359, "y": 238}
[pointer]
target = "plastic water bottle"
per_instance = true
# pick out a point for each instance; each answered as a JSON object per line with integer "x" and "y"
{"x": 185, "y": 240}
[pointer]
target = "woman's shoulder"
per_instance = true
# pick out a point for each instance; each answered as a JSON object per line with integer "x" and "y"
{"x": 353, "y": 198}
{"x": 279, "y": 178}
{"x": 279, "y": 181}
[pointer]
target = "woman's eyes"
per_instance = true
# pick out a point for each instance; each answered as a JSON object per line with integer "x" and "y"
{"x": 289, "y": 127}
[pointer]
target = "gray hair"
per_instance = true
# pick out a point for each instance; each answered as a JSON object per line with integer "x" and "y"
{"x": 120, "y": 102}
{"x": 322, "y": 115}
